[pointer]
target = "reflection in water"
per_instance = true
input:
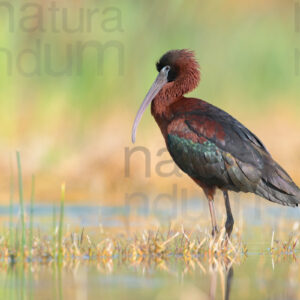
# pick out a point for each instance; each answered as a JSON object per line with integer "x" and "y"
{"x": 151, "y": 263}
{"x": 32, "y": 281}
{"x": 229, "y": 278}
{"x": 14, "y": 282}
{"x": 213, "y": 285}
{"x": 57, "y": 281}
{"x": 225, "y": 272}
{"x": 153, "y": 278}
{"x": 21, "y": 281}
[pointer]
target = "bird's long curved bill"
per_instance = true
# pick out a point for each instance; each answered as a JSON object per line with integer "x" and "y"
{"x": 158, "y": 84}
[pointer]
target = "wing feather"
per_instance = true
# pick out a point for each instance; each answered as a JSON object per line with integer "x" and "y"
{"x": 210, "y": 145}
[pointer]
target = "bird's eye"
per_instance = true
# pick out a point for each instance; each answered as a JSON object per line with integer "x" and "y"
{"x": 167, "y": 68}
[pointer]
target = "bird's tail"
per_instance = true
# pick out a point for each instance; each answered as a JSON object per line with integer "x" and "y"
{"x": 277, "y": 186}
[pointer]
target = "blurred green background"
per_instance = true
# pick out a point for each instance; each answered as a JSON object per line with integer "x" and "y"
{"x": 73, "y": 74}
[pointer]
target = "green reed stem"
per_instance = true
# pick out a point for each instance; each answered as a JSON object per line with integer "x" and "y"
{"x": 54, "y": 231}
{"x": 61, "y": 219}
{"x": 23, "y": 237}
{"x": 11, "y": 207}
{"x": 31, "y": 216}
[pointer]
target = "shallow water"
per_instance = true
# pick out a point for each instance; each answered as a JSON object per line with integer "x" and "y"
{"x": 254, "y": 278}
{"x": 254, "y": 213}
{"x": 256, "y": 275}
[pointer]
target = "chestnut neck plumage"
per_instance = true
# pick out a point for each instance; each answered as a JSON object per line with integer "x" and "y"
{"x": 174, "y": 91}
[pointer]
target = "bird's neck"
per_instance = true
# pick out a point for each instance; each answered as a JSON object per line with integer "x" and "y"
{"x": 174, "y": 92}
{"x": 161, "y": 106}
{"x": 161, "y": 109}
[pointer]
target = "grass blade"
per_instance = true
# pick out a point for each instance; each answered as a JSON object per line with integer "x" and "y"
{"x": 31, "y": 217}
{"x": 23, "y": 236}
{"x": 11, "y": 207}
{"x": 61, "y": 219}
{"x": 54, "y": 232}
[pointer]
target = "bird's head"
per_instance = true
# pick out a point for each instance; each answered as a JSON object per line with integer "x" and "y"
{"x": 178, "y": 74}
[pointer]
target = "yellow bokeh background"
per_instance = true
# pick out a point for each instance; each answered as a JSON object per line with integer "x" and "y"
{"x": 74, "y": 75}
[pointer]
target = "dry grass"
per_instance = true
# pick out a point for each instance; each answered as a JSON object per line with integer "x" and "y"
{"x": 284, "y": 247}
{"x": 188, "y": 245}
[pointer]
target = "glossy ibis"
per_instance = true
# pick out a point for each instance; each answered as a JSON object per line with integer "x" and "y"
{"x": 207, "y": 143}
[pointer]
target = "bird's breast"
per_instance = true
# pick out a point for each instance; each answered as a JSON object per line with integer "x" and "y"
{"x": 162, "y": 115}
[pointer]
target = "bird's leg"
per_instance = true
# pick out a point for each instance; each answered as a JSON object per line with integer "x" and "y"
{"x": 229, "y": 278}
{"x": 229, "y": 222}
{"x": 215, "y": 229}
{"x": 213, "y": 284}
